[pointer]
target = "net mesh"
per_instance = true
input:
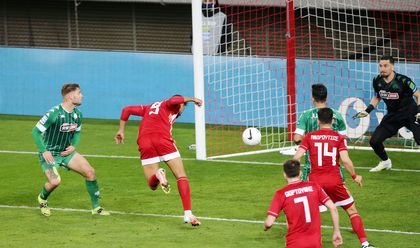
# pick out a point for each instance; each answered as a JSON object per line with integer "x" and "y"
{"x": 337, "y": 43}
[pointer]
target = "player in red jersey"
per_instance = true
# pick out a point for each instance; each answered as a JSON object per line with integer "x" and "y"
{"x": 155, "y": 144}
{"x": 326, "y": 147}
{"x": 300, "y": 202}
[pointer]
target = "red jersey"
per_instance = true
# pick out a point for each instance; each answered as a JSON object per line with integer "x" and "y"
{"x": 324, "y": 148}
{"x": 157, "y": 117}
{"x": 300, "y": 202}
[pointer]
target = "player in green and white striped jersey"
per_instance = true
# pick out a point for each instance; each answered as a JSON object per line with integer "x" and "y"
{"x": 308, "y": 122}
{"x": 57, "y": 135}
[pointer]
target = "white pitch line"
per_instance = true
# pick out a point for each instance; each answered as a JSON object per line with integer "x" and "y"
{"x": 203, "y": 218}
{"x": 190, "y": 159}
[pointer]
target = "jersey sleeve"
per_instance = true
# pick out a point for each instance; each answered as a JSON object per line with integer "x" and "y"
{"x": 138, "y": 110}
{"x": 276, "y": 204}
{"x": 342, "y": 146}
{"x": 408, "y": 82}
{"x": 341, "y": 125}
{"x": 305, "y": 143}
{"x": 375, "y": 86}
{"x": 79, "y": 121}
{"x": 322, "y": 196}
{"x": 302, "y": 124}
{"x": 45, "y": 122}
{"x": 175, "y": 100}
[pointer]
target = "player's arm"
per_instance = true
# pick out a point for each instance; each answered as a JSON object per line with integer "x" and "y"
{"x": 74, "y": 142}
{"x": 269, "y": 221}
{"x": 302, "y": 149}
{"x": 337, "y": 239}
{"x": 37, "y": 131}
{"x": 176, "y": 100}
{"x": 417, "y": 95}
{"x": 348, "y": 164}
{"x": 297, "y": 138}
{"x": 300, "y": 129}
{"x": 126, "y": 112}
{"x": 373, "y": 103}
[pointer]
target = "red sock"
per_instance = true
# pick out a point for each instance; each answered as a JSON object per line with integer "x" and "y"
{"x": 184, "y": 192}
{"x": 358, "y": 228}
{"x": 153, "y": 182}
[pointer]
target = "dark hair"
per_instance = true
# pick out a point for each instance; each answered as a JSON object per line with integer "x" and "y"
{"x": 387, "y": 57}
{"x": 67, "y": 88}
{"x": 319, "y": 92}
{"x": 291, "y": 168}
{"x": 325, "y": 115}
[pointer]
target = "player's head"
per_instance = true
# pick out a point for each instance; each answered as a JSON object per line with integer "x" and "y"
{"x": 386, "y": 65}
{"x": 181, "y": 107}
{"x": 71, "y": 92}
{"x": 291, "y": 168}
{"x": 319, "y": 93}
{"x": 325, "y": 116}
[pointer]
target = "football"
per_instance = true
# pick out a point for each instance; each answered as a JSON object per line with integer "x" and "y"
{"x": 251, "y": 136}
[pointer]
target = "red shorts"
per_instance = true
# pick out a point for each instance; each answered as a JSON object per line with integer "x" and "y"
{"x": 337, "y": 192}
{"x": 154, "y": 148}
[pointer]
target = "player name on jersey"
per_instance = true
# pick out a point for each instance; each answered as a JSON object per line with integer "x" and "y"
{"x": 298, "y": 191}
{"x": 324, "y": 137}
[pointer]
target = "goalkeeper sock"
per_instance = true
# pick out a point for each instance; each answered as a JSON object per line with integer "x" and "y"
{"x": 93, "y": 190}
{"x": 184, "y": 192}
{"x": 358, "y": 228}
{"x": 153, "y": 182}
{"x": 44, "y": 193}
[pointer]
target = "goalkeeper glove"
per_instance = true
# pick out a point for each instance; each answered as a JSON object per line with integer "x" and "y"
{"x": 364, "y": 113}
{"x": 417, "y": 121}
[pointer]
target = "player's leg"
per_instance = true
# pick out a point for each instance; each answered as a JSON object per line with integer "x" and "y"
{"x": 381, "y": 133}
{"x": 53, "y": 181}
{"x": 155, "y": 175}
{"x": 414, "y": 128}
{"x": 357, "y": 225}
{"x": 177, "y": 168}
{"x": 79, "y": 164}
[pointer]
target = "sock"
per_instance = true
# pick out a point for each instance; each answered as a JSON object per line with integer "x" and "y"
{"x": 93, "y": 190}
{"x": 358, "y": 228}
{"x": 184, "y": 192}
{"x": 153, "y": 182}
{"x": 45, "y": 193}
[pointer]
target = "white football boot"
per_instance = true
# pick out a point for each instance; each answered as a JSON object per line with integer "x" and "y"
{"x": 383, "y": 165}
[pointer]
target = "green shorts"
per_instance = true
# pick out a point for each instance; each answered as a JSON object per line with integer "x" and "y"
{"x": 59, "y": 161}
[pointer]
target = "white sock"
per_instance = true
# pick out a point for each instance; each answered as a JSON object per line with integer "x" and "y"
{"x": 365, "y": 243}
{"x": 188, "y": 212}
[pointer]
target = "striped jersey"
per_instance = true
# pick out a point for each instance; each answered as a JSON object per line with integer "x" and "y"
{"x": 58, "y": 127}
{"x": 308, "y": 122}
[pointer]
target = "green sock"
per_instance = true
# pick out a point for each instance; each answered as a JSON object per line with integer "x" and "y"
{"x": 93, "y": 189}
{"x": 44, "y": 193}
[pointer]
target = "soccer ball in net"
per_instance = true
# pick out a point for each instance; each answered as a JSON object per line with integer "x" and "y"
{"x": 251, "y": 136}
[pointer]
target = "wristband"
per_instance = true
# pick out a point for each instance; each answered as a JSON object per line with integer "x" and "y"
{"x": 354, "y": 176}
{"x": 369, "y": 108}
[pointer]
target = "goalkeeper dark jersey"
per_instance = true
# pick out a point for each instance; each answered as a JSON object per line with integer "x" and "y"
{"x": 397, "y": 94}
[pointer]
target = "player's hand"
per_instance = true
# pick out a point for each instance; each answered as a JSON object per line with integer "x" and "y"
{"x": 337, "y": 239}
{"x": 119, "y": 137}
{"x": 197, "y": 101}
{"x": 68, "y": 150}
{"x": 48, "y": 157}
{"x": 361, "y": 114}
{"x": 359, "y": 180}
{"x": 417, "y": 121}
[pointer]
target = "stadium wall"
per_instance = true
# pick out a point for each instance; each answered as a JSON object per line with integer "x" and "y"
{"x": 31, "y": 79}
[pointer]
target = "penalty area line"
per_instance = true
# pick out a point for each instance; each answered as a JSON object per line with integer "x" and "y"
{"x": 201, "y": 218}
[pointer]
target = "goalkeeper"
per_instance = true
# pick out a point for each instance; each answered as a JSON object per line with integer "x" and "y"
{"x": 397, "y": 91}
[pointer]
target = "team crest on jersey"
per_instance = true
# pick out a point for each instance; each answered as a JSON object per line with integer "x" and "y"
{"x": 68, "y": 127}
{"x": 388, "y": 95}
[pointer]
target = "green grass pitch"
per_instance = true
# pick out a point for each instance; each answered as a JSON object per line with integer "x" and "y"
{"x": 230, "y": 197}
